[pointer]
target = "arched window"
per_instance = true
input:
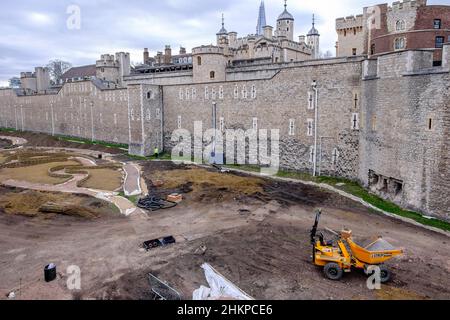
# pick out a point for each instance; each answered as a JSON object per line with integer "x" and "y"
{"x": 199, "y": 61}
{"x": 150, "y": 95}
{"x": 400, "y": 25}
{"x": 399, "y": 43}
{"x": 212, "y": 75}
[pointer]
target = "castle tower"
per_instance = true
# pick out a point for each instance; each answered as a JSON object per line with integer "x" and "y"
{"x": 222, "y": 35}
{"x": 285, "y": 24}
{"x": 261, "y": 20}
{"x": 313, "y": 40}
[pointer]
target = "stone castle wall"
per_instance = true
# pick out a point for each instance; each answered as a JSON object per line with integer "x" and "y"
{"x": 386, "y": 126}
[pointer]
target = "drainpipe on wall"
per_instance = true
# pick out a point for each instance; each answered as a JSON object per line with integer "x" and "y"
{"x": 316, "y": 125}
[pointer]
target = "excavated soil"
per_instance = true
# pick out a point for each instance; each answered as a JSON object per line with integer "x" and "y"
{"x": 5, "y": 143}
{"x": 255, "y": 232}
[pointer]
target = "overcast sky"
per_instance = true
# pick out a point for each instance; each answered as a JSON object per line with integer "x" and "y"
{"x": 35, "y": 31}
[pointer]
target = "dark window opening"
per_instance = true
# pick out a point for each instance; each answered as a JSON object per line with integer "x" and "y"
{"x": 345, "y": 33}
{"x": 212, "y": 75}
{"x": 397, "y": 187}
{"x": 199, "y": 61}
{"x": 437, "y": 63}
{"x": 354, "y": 51}
{"x": 354, "y": 31}
{"x": 439, "y": 42}
{"x": 437, "y": 24}
{"x": 430, "y": 124}
{"x": 372, "y": 49}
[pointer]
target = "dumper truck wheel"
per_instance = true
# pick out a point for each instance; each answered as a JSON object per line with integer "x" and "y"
{"x": 333, "y": 271}
{"x": 385, "y": 274}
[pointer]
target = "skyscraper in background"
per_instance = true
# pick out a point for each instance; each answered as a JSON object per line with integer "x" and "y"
{"x": 261, "y": 19}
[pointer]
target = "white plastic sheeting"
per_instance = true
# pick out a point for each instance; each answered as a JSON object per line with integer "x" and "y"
{"x": 220, "y": 288}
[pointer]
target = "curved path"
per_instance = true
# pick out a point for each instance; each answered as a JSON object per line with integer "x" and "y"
{"x": 132, "y": 184}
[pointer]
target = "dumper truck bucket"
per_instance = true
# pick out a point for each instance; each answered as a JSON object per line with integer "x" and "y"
{"x": 376, "y": 253}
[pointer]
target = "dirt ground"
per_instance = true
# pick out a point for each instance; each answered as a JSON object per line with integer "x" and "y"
{"x": 14, "y": 201}
{"x": 4, "y": 143}
{"x": 256, "y": 233}
{"x": 43, "y": 140}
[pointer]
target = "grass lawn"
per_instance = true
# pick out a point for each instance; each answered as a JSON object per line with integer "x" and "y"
{"x": 104, "y": 179}
{"x": 35, "y": 174}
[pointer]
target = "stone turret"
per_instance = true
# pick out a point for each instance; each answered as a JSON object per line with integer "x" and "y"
{"x": 285, "y": 24}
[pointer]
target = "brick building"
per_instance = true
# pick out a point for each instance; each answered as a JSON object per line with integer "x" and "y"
{"x": 404, "y": 25}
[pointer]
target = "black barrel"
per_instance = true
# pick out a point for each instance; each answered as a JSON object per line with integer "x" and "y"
{"x": 50, "y": 272}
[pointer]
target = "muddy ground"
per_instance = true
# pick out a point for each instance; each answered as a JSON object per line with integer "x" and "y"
{"x": 256, "y": 233}
{"x": 44, "y": 140}
{"x": 4, "y": 143}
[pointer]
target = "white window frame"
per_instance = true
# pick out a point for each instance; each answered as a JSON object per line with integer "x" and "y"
{"x": 181, "y": 94}
{"x": 222, "y": 124}
{"x": 221, "y": 92}
{"x": 187, "y": 94}
{"x": 179, "y": 122}
{"x": 311, "y": 154}
{"x": 291, "y": 127}
{"x": 311, "y": 102}
{"x": 255, "y": 124}
{"x": 132, "y": 114}
{"x": 335, "y": 156}
{"x": 244, "y": 92}
{"x": 213, "y": 93}
{"x": 310, "y": 127}
{"x": 194, "y": 93}
{"x": 253, "y": 92}
{"x": 148, "y": 115}
{"x": 355, "y": 126}
{"x": 236, "y": 92}
{"x": 206, "y": 93}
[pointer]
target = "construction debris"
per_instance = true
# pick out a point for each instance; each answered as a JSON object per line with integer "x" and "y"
{"x": 161, "y": 290}
{"x": 175, "y": 197}
{"x": 155, "y": 243}
{"x": 220, "y": 288}
{"x": 154, "y": 203}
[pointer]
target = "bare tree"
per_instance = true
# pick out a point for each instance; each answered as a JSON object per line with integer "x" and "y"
{"x": 57, "y": 68}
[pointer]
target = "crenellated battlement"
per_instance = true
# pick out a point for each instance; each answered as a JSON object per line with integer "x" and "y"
{"x": 407, "y": 5}
{"x": 350, "y": 22}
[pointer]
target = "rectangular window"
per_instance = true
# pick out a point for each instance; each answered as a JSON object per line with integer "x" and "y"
{"x": 355, "y": 121}
{"x": 430, "y": 124}
{"x": 213, "y": 93}
{"x": 311, "y": 154}
{"x": 206, "y": 93}
{"x": 440, "y": 42}
{"x": 437, "y": 24}
{"x": 374, "y": 123}
{"x": 158, "y": 113}
{"x": 236, "y": 92}
{"x": 255, "y": 124}
{"x": 354, "y": 51}
{"x": 222, "y": 124}
{"x": 244, "y": 92}
{"x": 115, "y": 118}
{"x": 291, "y": 127}
{"x": 253, "y": 92}
{"x": 187, "y": 93}
{"x": 194, "y": 93}
{"x": 310, "y": 127}
{"x": 179, "y": 122}
{"x": 310, "y": 100}
{"x": 221, "y": 92}
{"x": 181, "y": 94}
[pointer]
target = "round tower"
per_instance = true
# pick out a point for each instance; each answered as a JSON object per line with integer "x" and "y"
{"x": 285, "y": 24}
{"x": 313, "y": 40}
